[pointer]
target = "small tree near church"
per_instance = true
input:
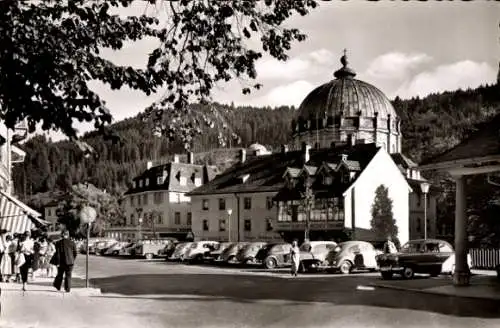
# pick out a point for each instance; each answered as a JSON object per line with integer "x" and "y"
{"x": 383, "y": 223}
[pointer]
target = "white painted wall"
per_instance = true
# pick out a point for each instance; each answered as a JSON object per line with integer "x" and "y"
{"x": 381, "y": 170}
{"x": 257, "y": 216}
{"x": 171, "y": 202}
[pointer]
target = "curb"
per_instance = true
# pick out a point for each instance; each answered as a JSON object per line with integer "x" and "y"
{"x": 433, "y": 292}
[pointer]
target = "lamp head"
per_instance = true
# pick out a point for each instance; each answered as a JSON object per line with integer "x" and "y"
{"x": 229, "y": 211}
{"x": 425, "y": 187}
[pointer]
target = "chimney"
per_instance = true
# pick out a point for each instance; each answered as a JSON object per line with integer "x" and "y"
{"x": 305, "y": 151}
{"x": 284, "y": 149}
{"x": 190, "y": 157}
{"x": 176, "y": 158}
{"x": 149, "y": 165}
{"x": 243, "y": 155}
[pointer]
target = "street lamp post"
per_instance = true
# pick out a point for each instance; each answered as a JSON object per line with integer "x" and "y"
{"x": 229, "y": 212}
{"x": 87, "y": 215}
{"x": 425, "y": 190}
{"x": 140, "y": 228}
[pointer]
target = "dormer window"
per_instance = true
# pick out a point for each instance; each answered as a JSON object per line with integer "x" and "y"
{"x": 197, "y": 182}
{"x": 137, "y": 184}
{"x": 182, "y": 181}
{"x": 160, "y": 180}
{"x": 146, "y": 182}
{"x": 140, "y": 183}
{"x": 244, "y": 178}
{"x": 327, "y": 180}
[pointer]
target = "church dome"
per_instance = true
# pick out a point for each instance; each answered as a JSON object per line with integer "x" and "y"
{"x": 347, "y": 110}
{"x": 347, "y": 97}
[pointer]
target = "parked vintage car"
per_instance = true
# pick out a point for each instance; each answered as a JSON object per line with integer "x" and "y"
{"x": 101, "y": 246}
{"x": 247, "y": 254}
{"x": 169, "y": 247}
{"x": 179, "y": 252}
{"x": 128, "y": 250}
{"x": 211, "y": 256}
{"x": 351, "y": 255}
{"x": 229, "y": 254}
{"x": 150, "y": 248}
{"x": 274, "y": 255}
{"x": 313, "y": 254}
{"x": 114, "y": 249}
{"x": 197, "y": 249}
{"x": 417, "y": 256}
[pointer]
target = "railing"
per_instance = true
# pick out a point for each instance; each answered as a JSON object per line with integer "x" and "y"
{"x": 484, "y": 258}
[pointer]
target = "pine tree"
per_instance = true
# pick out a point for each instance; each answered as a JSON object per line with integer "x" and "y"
{"x": 383, "y": 223}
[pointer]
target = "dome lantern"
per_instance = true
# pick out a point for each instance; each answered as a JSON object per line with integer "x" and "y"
{"x": 345, "y": 71}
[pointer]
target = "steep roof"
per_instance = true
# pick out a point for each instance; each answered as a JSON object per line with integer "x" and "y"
{"x": 266, "y": 172}
{"x": 403, "y": 162}
{"x": 172, "y": 172}
{"x": 485, "y": 142}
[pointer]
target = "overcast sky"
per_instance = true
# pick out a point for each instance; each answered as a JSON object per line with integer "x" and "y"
{"x": 403, "y": 48}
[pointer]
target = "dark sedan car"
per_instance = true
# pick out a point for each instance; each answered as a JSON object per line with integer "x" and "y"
{"x": 275, "y": 255}
{"x": 416, "y": 256}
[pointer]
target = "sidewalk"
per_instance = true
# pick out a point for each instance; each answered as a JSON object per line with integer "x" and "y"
{"x": 482, "y": 286}
{"x": 44, "y": 307}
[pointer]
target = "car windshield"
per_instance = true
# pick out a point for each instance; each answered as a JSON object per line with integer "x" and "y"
{"x": 305, "y": 247}
{"x": 411, "y": 247}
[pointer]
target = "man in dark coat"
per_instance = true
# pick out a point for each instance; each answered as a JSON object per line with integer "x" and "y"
{"x": 64, "y": 259}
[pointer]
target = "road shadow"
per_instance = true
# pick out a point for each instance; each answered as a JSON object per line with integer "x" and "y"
{"x": 340, "y": 291}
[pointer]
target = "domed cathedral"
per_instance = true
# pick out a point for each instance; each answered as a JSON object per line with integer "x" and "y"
{"x": 347, "y": 111}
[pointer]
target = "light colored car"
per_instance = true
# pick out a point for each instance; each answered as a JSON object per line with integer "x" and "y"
{"x": 229, "y": 254}
{"x": 248, "y": 253}
{"x": 179, "y": 252}
{"x": 114, "y": 249}
{"x": 127, "y": 250}
{"x": 313, "y": 254}
{"x": 448, "y": 266}
{"x": 197, "y": 249}
{"x": 351, "y": 255}
{"x": 100, "y": 246}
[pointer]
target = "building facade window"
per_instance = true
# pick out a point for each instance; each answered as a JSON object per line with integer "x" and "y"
{"x": 145, "y": 199}
{"x": 204, "y": 205}
{"x": 269, "y": 202}
{"x": 189, "y": 218}
{"x": 183, "y": 181}
{"x": 222, "y": 225}
{"x": 205, "y": 225}
{"x": 139, "y": 200}
{"x": 132, "y": 220}
{"x": 222, "y": 204}
{"x": 248, "y": 225}
{"x": 177, "y": 218}
{"x": 159, "y": 219}
{"x": 269, "y": 225}
{"x": 419, "y": 200}
{"x": 247, "y": 203}
{"x": 131, "y": 201}
{"x": 158, "y": 197}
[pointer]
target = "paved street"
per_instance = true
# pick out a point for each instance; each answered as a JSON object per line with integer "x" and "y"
{"x": 160, "y": 294}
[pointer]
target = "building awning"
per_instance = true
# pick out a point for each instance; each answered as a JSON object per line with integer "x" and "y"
{"x": 17, "y": 217}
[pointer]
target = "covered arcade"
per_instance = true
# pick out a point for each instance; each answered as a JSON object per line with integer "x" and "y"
{"x": 478, "y": 154}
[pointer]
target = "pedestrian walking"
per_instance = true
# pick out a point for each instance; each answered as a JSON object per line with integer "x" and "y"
{"x": 64, "y": 258}
{"x": 295, "y": 256}
{"x": 6, "y": 262}
{"x": 51, "y": 250}
{"x": 14, "y": 252}
{"x": 26, "y": 249}
{"x": 389, "y": 246}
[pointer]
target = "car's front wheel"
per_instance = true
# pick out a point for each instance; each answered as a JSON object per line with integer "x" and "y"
{"x": 386, "y": 275}
{"x": 270, "y": 263}
{"x": 149, "y": 256}
{"x": 408, "y": 273}
{"x": 345, "y": 267}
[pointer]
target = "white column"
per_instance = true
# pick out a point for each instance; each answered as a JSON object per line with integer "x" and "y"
{"x": 461, "y": 276}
